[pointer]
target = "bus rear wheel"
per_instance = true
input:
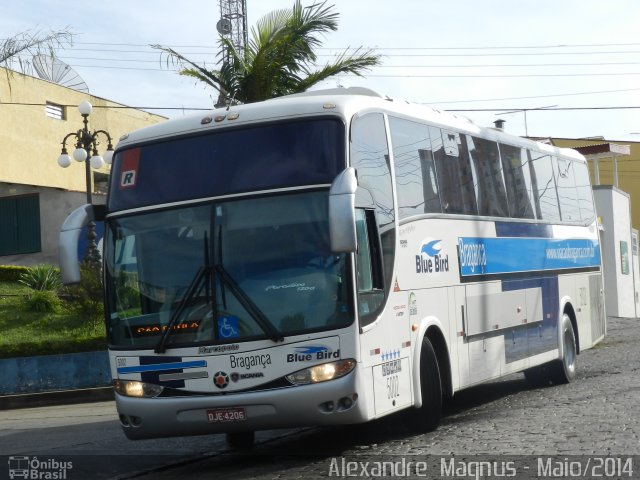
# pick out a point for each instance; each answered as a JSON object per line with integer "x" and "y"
{"x": 240, "y": 440}
{"x": 564, "y": 370}
{"x": 558, "y": 371}
{"x": 428, "y": 416}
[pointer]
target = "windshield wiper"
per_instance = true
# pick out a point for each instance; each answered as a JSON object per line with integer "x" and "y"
{"x": 192, "y": 290}
{"x": 248, "y": 304}
{"x": 203, "y": 274}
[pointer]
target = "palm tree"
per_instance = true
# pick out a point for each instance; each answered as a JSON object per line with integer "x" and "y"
{"x": 279, "y": 58}
{"x": 14, "y": 49}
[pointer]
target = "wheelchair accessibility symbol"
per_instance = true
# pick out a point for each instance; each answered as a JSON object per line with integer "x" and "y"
{"x": 228, "y": 327}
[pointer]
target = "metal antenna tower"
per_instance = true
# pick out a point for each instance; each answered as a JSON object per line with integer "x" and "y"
{"x": 233, "y": 22}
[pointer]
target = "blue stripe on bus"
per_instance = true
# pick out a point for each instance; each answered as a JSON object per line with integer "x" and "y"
{"x": 162, "y": 366}
{"x": 490, "y": 256}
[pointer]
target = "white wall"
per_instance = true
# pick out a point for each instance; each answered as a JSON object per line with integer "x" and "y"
{"x": 636, "y": 269}
{"x": 613, "y": 207}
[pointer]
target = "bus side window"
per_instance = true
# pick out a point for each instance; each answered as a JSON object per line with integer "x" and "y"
{"x": 544, "y": 187}
{"x": 370, "y": 156}
{"x": 518, "y": 181}
{"x": 456, "y": 177}
{"x": 583, "y": 190}
{"x": 368, "y": 266}
{"x": 567, "y": 196}
{"x": 492, "y": 198}
{"x": 414, "y": 168}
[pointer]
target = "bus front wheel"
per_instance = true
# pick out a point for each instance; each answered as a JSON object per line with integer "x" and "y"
{"x": 429, "y": 414}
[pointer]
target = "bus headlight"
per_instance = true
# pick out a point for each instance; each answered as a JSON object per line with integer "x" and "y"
{"x": 132, "y": 388}
{"x": 322, "y": 373}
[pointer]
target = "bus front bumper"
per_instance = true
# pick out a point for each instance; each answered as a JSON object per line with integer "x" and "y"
{"x": 329, "y": 403}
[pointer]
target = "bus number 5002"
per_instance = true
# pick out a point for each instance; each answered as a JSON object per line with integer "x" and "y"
{"x": 393, "y": 386}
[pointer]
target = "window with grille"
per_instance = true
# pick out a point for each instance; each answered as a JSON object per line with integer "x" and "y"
{"x": 53, "y": 110}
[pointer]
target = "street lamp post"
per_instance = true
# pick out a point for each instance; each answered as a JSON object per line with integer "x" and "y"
{"x": 86, "y": 143}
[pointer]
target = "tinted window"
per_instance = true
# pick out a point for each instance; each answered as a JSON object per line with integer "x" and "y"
{"x": 368, "y": 278}
{"x": 370, "y": 157}
{"x": 491, "y": 196}
{"x": 544, "y": 187}
{"x": 455, "y": 174}
{"x": 228, "y": 161}
{"x": 517, "y": 180}
{"x": 583, "y": 191}
{"x": 272, "y": 250}
{"x": 566, "y": 186}
{"x": 414, "y": 167}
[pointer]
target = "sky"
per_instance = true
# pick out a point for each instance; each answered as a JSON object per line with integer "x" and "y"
{"x": 550, "y": 68}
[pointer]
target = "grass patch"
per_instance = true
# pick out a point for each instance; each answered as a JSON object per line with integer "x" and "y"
{"x": 24, "y": 332}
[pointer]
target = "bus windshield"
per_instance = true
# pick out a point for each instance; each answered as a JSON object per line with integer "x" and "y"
{"x": 221, "y": 272}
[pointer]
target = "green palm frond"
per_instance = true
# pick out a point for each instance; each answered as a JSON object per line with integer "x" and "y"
{"x": 189, "y": 68}
{"x": 280, "y": 57}
{"x": 32, "y": 42}
{"x": 355, "y": 63}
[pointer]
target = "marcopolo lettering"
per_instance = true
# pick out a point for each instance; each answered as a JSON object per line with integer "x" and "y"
{"x": 249, "y": 361}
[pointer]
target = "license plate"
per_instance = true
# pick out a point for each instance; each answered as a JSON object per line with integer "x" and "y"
{"x": 224, "y": 415}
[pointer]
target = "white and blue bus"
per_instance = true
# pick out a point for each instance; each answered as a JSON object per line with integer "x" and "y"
{"x": 335, "y": 257}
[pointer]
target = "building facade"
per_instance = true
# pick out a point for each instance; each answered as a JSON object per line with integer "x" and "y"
{"x": 36, "y": 194}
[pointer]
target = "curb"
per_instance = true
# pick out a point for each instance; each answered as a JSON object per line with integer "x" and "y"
{"x": 60, "y": 397}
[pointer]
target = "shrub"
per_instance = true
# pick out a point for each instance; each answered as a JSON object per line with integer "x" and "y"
{"x": 44, "y": 301}
{"x": 11, "y": 273}
{"x": 41, "y": 277}
{"x": 87, "y": 295}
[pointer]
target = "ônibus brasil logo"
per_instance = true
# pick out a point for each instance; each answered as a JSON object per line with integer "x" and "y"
{"x": 431, "y": 259}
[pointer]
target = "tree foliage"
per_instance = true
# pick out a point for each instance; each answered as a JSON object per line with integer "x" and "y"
{"x": 279, "y": 59}
{"x": 17, "y": 52}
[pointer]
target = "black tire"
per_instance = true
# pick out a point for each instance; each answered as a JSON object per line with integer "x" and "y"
{"x": 428, "y": 416}
{"x": 559, "y": 371}
{"x": 564, "y": 370}
{"x": 241, "y": 440}
{"x": 538, "y": 376}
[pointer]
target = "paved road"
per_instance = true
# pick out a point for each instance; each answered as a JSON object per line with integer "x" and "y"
{"x": 597, "y": 415}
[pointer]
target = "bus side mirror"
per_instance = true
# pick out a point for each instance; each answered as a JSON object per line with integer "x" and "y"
{"x": 342, "y": 220}
{"x": 68, "y": 242}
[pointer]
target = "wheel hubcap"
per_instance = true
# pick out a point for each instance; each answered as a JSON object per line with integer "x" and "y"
{"x": 569, "y": 351}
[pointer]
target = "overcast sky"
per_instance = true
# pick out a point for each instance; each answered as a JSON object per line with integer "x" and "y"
{"x": 508, "y": 55}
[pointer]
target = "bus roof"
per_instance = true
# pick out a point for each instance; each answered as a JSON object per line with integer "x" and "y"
{"x": 343, "y": 102}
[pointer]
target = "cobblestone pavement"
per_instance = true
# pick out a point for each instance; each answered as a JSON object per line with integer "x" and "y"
{"x": 597, "y": 415}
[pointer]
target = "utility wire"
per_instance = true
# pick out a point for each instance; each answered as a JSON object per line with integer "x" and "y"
{"x": 548, "y": 109}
